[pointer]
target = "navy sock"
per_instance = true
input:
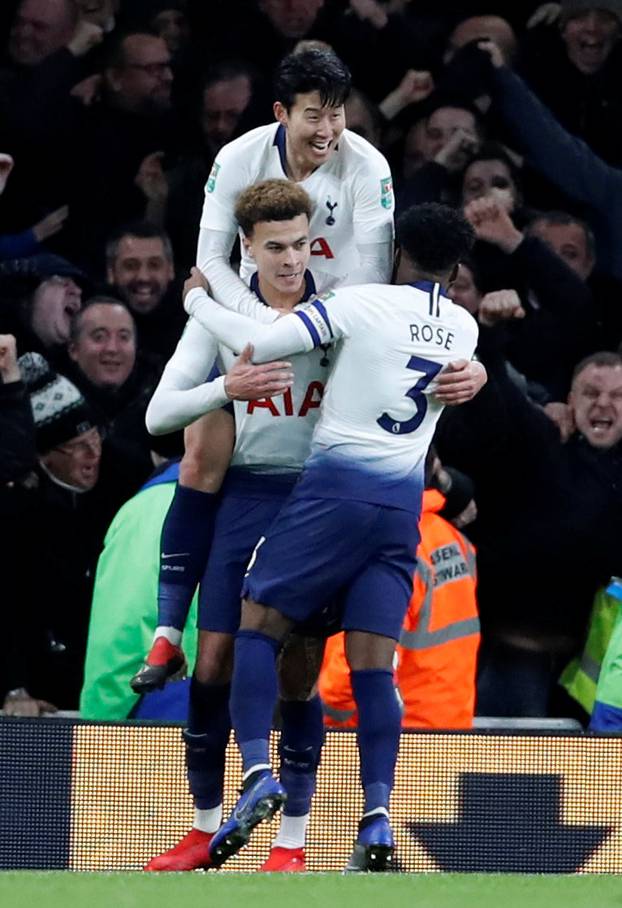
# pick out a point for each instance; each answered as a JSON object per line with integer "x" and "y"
{"x": 253, "y": 694}
{"x": 184, "y": 547}
{"x": 301, "y": 743}
{"x": 378, "y": 733}
{"x": 206, "y": 737}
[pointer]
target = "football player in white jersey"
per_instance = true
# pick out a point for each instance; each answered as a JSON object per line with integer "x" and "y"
{"x": 351, "y": 239}
{"x": 351, "y": 521}
{"x": 347, "y": 178}
{"x": 274, "y": 421}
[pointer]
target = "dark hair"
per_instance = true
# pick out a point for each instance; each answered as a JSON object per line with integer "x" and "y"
{"x": 100, "y": 299}
{"x": 312, "y": 70}
{"x": 601, "y": 359}
{"x": 469, "y": 261}
{"x": 116, "y": 52}
{"x": 494, "y": 151}
{"x": 436, "y": 237}
{"x": 440, "y": 100}
{"x": 564, "y": 219}
{"x": 226, "y": 71}
{"x": 142, "y": 230}
{"x": 271, "y": 200}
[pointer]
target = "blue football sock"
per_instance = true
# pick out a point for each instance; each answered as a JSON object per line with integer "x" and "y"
{"x": 378, "y": 733}
{"x": 206, "y": 739}
{"x": 301, "y": 743}
{"x": 253, "y": 695}
{"x": 184, "y": 547}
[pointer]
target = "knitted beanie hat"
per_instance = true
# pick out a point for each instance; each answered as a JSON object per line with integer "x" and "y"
{"x": 59, "y": 410}
{"x": 572, "y": 8}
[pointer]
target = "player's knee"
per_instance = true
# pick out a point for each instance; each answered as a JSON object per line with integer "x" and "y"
{"x": 369, "y": 651}
{"x": 299, "y": 667}
{"x": 264, "y": 620}
{"x": 196, "y": 473}
{"x": 214, "y": 663}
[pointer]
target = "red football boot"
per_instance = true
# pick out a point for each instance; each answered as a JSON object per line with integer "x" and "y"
{"x": 284, "y": 860}
{"x": 163, "y": 661}
{"x": 192, "y": 853}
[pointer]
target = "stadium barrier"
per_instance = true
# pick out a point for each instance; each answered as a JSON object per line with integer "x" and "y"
{"x": 104, "y": 796}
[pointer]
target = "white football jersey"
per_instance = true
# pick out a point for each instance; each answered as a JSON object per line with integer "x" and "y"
{"x": 379, "y": 410}
{"x": 352, "y": 193}
{"x": 272, "y": 435}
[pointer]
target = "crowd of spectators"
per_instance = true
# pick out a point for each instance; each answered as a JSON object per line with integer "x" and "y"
{"x": 111, "y": 113}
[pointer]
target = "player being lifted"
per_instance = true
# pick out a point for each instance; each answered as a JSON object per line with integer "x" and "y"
{"x": 351, "y": 520}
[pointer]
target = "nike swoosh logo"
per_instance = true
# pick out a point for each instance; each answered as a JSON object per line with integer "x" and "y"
{"x": 174, "y": 554}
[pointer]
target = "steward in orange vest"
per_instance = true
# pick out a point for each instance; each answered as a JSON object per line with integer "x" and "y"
{"x": 437, "y": 652}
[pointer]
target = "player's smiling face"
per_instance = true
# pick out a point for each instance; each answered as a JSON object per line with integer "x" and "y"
{"x": 281, "y": 252}
{"x": 312, "y": 131}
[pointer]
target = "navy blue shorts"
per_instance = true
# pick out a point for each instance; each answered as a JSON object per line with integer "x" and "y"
{"x": 249, "y": 503}
{"x": 319, "y": 547}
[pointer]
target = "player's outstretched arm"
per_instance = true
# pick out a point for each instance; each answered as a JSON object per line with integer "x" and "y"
{"x": 285, "y": 336}
{"x": 183, "y": 395}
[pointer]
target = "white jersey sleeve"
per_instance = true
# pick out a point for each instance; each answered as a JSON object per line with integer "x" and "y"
{"x": 231, "y": 172}
{"x": 372, "y": 216}
{"x": 285, "y": 336}
{"x": 183, "y": 394}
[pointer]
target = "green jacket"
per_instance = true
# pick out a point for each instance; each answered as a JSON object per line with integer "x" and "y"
{"x": 123, "y": 613}
{"x": 581, "y": 676}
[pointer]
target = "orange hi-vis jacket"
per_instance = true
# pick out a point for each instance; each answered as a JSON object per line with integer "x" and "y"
{"x": 436, "y": 656}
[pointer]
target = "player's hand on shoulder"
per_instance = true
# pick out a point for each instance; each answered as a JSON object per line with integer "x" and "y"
{"x": 246, "y": 381}
{"x": 460, "y": 381}
{"x": 196, "y": 280}
{"x": 500, "y": 306}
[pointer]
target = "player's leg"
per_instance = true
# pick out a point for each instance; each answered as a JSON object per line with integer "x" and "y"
{"x": 302, "y": 736}
{"x": 313, "y": 547}
{"x": 254, "y": 693}
{"x": 379, "y": 725}
{"x": 206, "y": 738}
{"x": 185, "y": 541}
{"x": 374, "y": 610}
{"x": 247, "y": 505}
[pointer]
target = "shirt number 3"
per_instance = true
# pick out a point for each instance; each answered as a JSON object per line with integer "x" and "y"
{"x": 430, "y": 370}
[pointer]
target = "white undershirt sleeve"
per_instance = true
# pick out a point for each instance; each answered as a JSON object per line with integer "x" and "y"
{"x": 284, "y": 337}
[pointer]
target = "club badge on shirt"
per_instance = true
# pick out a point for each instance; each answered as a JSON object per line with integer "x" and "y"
{"x": 211, "y": 180}
{"x": 386, "y": 193}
